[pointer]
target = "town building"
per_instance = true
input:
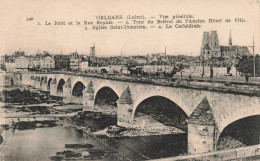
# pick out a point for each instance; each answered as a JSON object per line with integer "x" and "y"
{"x": 10, "y": 67}
{"x": 22, "y": 63}
{"x": 115, "y": 68}
{"x": 35, "y": 63}
{"x": 85, "y": 65}
{"x": 158, "y": 67}
{"x": 125, "y": 70}
{"x": 75, "y": 61}
{"x": 9, "y": 63}
{"x": 141, "y": 60}
{"x": 234, "y": 72}
{"x": 156, "y": 57}
{"x": 196, "y": 69}
{"x": 19, "y": 53}
{"x": 47, "y": 63}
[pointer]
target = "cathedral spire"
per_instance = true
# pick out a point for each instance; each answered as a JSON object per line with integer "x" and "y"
{"x": 230, "y": 39}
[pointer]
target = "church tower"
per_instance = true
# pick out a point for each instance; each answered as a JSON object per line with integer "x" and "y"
{"x": 205, "y": 40}
{"x": 230, "y": 39}
{"x": 214, "y": 42}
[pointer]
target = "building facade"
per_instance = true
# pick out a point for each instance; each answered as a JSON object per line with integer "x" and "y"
{"x": 35, "y": 63}
{"x": 9, "y": 63}
{"x": 75, "y": 61}
{"x": 84, "y": 66}
{"x": 47, "y": 63}
{"x": 158, "y": 67}
{"x": 10, "y": 67}
{"x": 22, "y": 63}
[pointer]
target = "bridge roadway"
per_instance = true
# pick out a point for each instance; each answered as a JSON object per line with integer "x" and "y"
{"x": 210, "y": 105}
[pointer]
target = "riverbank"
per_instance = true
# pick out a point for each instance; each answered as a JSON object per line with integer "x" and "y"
{"x": 150, "y": 126}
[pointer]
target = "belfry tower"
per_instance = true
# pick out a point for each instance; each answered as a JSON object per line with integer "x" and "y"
{"x": 92, "y": 51}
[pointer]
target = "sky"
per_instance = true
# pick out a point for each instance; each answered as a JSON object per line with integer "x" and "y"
{"x": 17, "y": 33}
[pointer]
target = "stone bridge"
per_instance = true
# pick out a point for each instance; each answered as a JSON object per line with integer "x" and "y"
{"x": 209, "y": 112}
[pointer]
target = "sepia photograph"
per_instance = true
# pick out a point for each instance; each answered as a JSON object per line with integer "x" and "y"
{"x": 164, "y": 80}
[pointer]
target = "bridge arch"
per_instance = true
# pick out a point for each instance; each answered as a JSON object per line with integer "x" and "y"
{"x": 76, "y": 79}
{"x": 118, "y": 90}
{"x": 176, "y": 100}
{"x": 78, "y": 88}
{"x": 242, "y": 132}
{"x": 236, "y": 115}
{"x": 60, "y": 84}
{"x": 106, "y": 96}
{"x": 161, "y": 108}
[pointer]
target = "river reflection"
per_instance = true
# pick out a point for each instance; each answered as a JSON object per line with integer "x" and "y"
{"x": 40, "y": 143}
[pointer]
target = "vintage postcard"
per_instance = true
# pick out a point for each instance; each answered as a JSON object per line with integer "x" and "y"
{"x": 129, "y": 80}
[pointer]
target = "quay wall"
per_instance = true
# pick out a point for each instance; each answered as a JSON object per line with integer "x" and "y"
{"x": 231, "y": 154}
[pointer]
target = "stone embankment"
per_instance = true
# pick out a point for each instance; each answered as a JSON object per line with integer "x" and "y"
{"x": 250, "y": 152}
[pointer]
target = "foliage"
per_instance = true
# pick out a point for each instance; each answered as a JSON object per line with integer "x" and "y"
{"x": 3, "y": 67}
{"x": 181, "y": 67}
{"x": 245, "y": 65}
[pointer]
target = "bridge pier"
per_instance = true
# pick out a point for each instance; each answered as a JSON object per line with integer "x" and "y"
{"x": 202, "y": 129}
{"x": 88, "y": 97}
{"x": 44, "y": 84}
{"x": 124, "y": 109}
{"x": 67, "y": 92}
{"x": 38, "y": 83}
{"x": 53, "y": 87}
{"x": 32, "y": 81}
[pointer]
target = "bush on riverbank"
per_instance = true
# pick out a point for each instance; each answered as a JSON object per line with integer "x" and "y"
{"x": 35, "y": 109}
{"x": 102, "y": 120}
{"x": 23, "y": 125}
{"x": 76, "y": 146}
{"x": 24, "y": 97}
{"x": 92, "y": 154}
{"x": 31, "y": 109}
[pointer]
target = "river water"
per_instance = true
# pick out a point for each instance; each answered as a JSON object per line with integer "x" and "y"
{"x": 40, "y": 143}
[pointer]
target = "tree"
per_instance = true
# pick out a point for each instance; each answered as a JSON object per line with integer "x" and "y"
{"x": 245, "y": 65}
{"x": 174, "y": 71}
{"x": 181, "y": 67}
{"x": 3, "y": 67}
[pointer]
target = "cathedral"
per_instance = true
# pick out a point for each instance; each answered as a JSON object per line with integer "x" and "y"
{"x": 211, "y": 49}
